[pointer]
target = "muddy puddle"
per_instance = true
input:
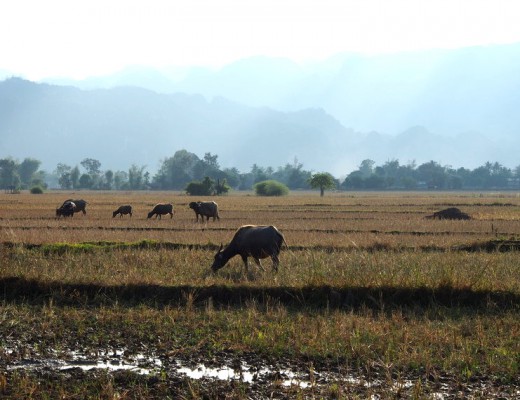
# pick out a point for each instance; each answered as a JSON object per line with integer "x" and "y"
{"x": 116, "y": 361}
{"x": 253, "y": 372}
{"x": 119, "y": 360}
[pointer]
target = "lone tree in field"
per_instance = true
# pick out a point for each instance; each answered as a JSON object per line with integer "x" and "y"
{"x": 322, "y": 180}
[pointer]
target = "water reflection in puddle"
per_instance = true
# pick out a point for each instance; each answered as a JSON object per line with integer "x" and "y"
{"x": 244, "y": 374}
{"x": 112, "y": 365}
{"x": 120, "y": 360}
{"x": 116, "y": 361}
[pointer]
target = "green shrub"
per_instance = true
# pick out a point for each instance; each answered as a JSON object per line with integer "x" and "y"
{"x": 207, "y": 187}
{"x": 270, "y": 188}
{"x": 36, "y": 190}
{"x": 197, "y": 189}
{"x": 204, "y": 188}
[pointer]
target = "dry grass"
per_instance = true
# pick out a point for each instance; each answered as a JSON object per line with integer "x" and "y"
{"x": 307, "y": 220}
{"x": 367, "y": 282}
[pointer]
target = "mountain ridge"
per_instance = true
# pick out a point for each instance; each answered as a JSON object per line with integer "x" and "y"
{"x": 135, "y": 125}
{"x": 449, "y": 91}
{"x": 127, "y": 124}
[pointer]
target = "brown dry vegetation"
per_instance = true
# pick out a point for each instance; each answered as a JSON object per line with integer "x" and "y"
{"x": 368, "y": 285}
{"x": 337, "y": 220}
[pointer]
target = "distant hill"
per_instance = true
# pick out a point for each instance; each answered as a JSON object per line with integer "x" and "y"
{"x": 449, "y": 92}
{"x": 128, "y": 125}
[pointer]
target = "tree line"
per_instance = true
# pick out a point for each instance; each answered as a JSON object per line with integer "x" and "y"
{"x": 431, "y": 175}
{"x": 186, "y": 171}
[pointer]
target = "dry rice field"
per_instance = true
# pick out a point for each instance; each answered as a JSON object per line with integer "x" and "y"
{"x": 371, "y": 299}
{"x": 338, "y": 220}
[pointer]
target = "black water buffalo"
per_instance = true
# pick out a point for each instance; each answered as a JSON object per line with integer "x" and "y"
{"x": 205, "y": 209}
{"x": 80, "y": 205}
{"x": 449, "y": 213}
{"x": 161, "y": 209}
{"x": 67, "y": 209}
{"x": 257, "y": 241}
{"x": 123, "y": 210}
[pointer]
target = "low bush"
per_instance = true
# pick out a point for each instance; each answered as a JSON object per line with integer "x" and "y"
{"x": 36, "y": 190}
{"x": 271, "y": 188}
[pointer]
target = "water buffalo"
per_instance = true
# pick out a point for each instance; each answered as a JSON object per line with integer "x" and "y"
{"x": 123, "y": 210}
{"x": 255, "y": 241}
{"x": 449, "y": 213}
{"x": 161, "y": 209}
{"x": 80, "y": 205}
{"x": 67, "y": 209}
{"x": 205, "y": 209}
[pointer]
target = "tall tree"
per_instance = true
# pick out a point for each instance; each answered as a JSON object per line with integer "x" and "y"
{"x": 354, "y": 180}
{"x": 92, "y": 166}
{"x": 27, "y": 169}
{"x": 136, "y": 180}
{"x": 211, "y": 160}
{"x": 517, "y": 176}
{"x": 86, "y": 181}
{"x": 63, "y": 172}
{"x": 259, "y": 174}
{"x": 120, "y": 180}
{"x": 9, "y": 177}
{"x": 232, "y": 176}
{"x": 176, "y": 171}
{"x": 433, "y": 174}
{"x": 74, "y": 176}
{"x": 208, "y": 166}
{"x": 292, "y": 175}
{"x": 109, "y": 179}
{"x": 366, "y": 168}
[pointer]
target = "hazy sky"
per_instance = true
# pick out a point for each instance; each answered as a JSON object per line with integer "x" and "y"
{"x": 68, "y": 38}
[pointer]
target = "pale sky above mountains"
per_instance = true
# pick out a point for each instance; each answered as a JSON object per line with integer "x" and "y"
{"x": 64, "y": 38}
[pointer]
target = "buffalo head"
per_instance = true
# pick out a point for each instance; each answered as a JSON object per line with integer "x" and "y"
{"x": 219, "y": 261}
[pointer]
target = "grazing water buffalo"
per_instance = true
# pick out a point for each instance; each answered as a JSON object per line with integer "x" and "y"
{"x": 66, "y": 209}
{"x": 449, "y": 213}
{"x": 123, "y": 210}
{"x": 161, "y": 209}
{"x": 80, "y": 205}
{"x": 255, "y": 241}
{"x": 205, "y": 209}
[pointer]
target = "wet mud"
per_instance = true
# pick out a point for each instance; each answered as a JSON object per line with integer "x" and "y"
{"x": 229, "y": 375}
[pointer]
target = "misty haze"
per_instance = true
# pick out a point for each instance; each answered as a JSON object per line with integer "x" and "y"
{"x": 454, "y": 107}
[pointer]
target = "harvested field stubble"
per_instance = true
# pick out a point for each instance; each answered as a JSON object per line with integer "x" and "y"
{"x": 367, "y": 287}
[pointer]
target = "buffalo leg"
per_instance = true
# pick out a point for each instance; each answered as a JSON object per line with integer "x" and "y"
{"x": 244, "y": 259}
{"x": 276, "y": 261}
{"x": 257, "y": 261}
